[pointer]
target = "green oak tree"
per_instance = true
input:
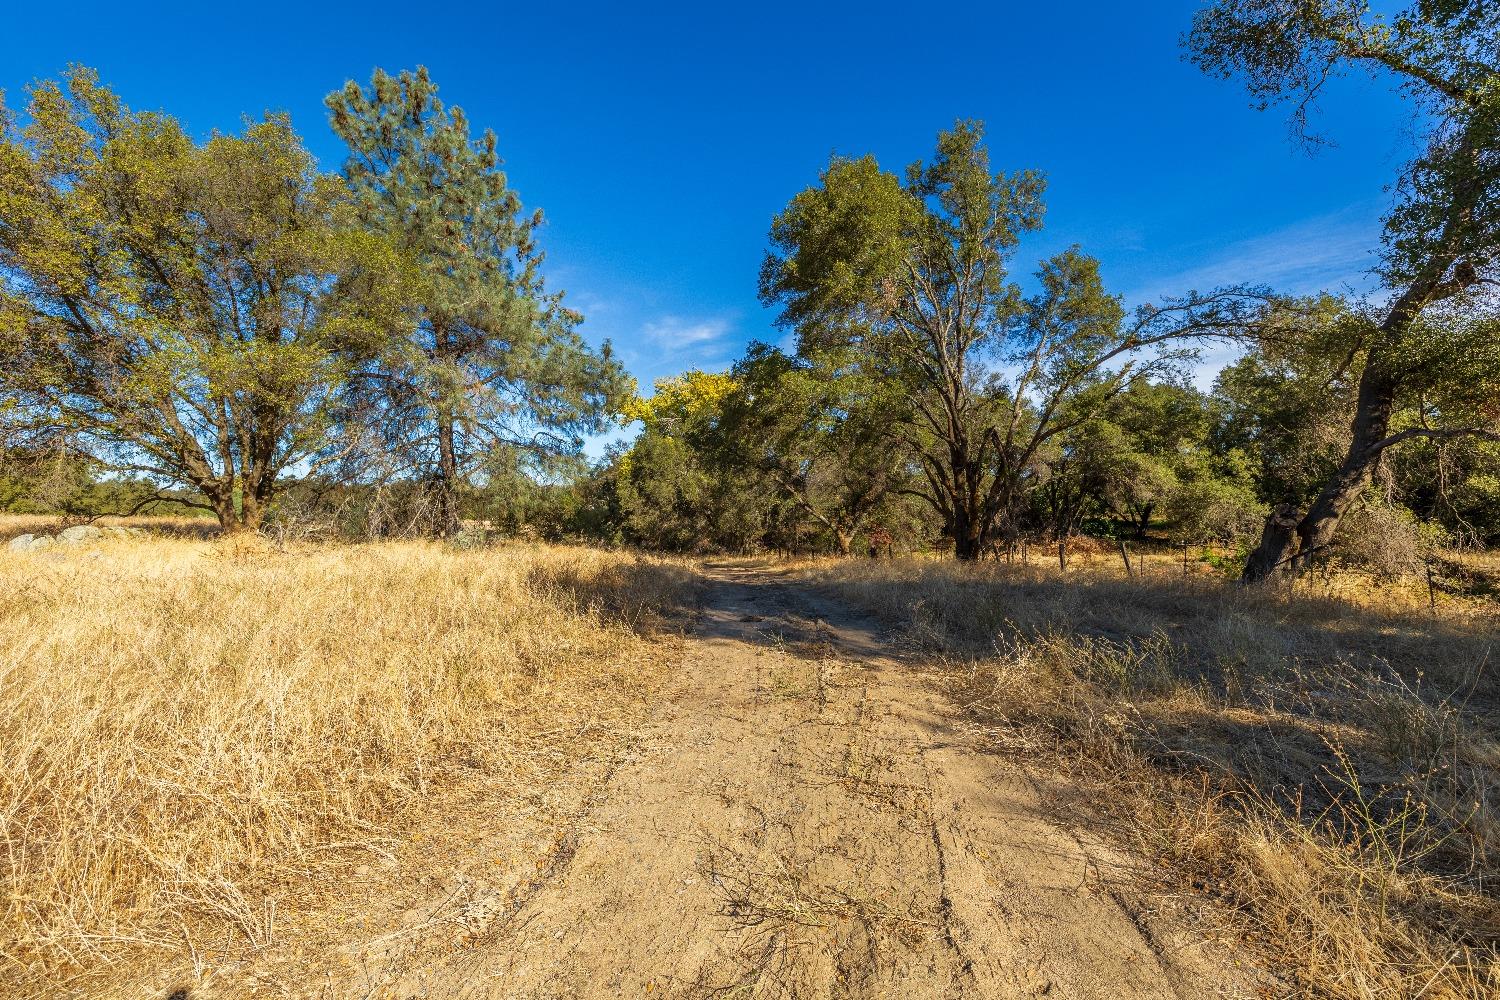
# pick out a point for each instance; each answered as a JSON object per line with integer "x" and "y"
{"x": 1291, "y": 400}
{"x": 670, "y": 488}
{"x": 1131, "y": 459}
{"x": 187, "y": 311}
{"x": 1442, "y": 236}
{"x": 1454, "y": 483}
{"x": 817, "y": 433}
{"x": 1165, "y": 426}
{"x": 912, "y": 277}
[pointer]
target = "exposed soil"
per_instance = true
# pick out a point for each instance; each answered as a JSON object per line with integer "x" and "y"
{"x": 802, "y": 817}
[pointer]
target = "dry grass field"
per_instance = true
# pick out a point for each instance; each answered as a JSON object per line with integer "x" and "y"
{"x": 208, "y": 744}
{"x": 1325, "y": 762}
{"x": 198, "y": 735}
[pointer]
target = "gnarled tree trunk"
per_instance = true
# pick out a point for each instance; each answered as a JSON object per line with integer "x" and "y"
{"x": 844, "y": 539}
{"x": 1291, "y": 538}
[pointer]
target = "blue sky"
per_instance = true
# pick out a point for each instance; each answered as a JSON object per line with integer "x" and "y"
{"x": 660, "y": 140}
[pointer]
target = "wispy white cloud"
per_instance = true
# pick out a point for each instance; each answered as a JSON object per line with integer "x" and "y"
{"x": 679, "y": 333}
{"x": 1333, "y": 253}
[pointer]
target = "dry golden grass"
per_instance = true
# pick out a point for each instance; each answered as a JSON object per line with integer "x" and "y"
{"x": 1325, "y": 762}
{"x": 194, "y": 730}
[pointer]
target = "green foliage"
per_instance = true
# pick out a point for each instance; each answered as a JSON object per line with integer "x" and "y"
{"x": 1228, "y": 564}
{"x": 911, "y": 280}
{"x": 783, "y": 452}
{"x": 1445, "y": 57}
{"x": 1453, "y": 483}
{"x": 1442, "y": 236}
{"x": 839, "y": 248}
{"x": 848, "y": 254}
{"x": 1290, "y": 402}
{"x": 487, "y": 360}
{"x": 186, "y": 311}
{"x": 1212, "y": 508}
{"x": 1152, "y": 454}
{"x": 218, "y": 323}
{"x": 818, "y": 435}
{"x": 670, "y": 494}
{"x": 52, "y": 481}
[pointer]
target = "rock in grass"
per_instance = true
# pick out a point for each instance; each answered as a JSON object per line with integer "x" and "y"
{"x": 76, "y": 535}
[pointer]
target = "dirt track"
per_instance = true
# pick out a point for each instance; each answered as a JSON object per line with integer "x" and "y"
{"x": 806, "y": 820}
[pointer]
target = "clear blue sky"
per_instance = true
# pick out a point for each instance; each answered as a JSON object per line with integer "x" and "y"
{"x": 660, "y": 140}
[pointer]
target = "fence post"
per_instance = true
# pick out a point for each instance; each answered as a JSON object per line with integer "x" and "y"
{"x": 1125, "y": 554}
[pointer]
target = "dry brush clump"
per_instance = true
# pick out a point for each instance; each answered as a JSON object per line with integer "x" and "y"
{"x": 195, "y": 730}
{"x": 1330, "y": 770}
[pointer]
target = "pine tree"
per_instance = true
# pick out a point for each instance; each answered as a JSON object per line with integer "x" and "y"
{"x": 489, "y": 364}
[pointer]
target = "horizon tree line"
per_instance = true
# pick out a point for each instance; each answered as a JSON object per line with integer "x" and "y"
{"x": 230, "y": 325}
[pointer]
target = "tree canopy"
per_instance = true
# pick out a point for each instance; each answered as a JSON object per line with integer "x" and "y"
{"x": 913, "y": 277}
{"x": 187, "y": 311}
{"x": 487, "y": 363}
{"x": 1442, "y": 236}
{"x": 216, "y": 322}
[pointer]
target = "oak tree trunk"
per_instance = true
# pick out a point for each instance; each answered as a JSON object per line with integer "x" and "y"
{"x": 968, "y": 536}
{"x": 845, "y": 541}
{"x": 1290, "y": 538}
{"x": 1143, "y": 522}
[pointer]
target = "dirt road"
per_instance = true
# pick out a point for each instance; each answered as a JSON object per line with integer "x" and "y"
{"x": 807, "y": 820}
